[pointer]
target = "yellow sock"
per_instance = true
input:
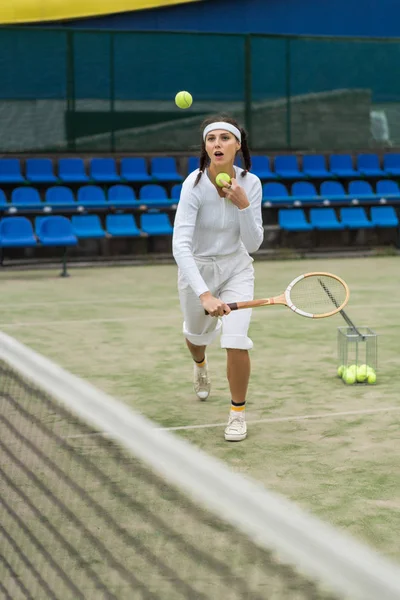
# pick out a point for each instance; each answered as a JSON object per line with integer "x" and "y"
{"x": 201, "y": 363}
{"x": 238, "y": 407}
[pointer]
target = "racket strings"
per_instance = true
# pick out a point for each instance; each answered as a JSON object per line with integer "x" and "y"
{"x": 318, "y": 294}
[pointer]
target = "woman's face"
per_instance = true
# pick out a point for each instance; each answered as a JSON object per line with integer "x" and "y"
{"x": 221, "y": 147}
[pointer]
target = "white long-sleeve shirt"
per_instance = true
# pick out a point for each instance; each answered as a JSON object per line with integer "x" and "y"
{"x": 208, "y": 225}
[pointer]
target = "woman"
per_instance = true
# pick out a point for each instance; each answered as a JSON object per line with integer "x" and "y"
{"x": 215, "y": 230}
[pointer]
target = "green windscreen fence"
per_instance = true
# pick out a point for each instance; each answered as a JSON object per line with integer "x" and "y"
{"x": 101, "y": 91}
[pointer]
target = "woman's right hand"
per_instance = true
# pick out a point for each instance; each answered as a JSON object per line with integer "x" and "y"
{"x": 214, "y": 306}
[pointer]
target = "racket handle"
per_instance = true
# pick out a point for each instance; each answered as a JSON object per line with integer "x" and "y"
{"x": 232, "y": 306}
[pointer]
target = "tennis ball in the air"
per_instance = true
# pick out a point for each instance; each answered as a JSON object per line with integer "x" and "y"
{"x": 183, "y": 100}
{"x": 362, "y": 373}
{"x": 340, "y": 371}
{"x": 349, "y": 376}
{"x": 222, "y": 178}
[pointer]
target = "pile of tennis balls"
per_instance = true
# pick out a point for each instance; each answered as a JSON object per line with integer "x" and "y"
{"x": 357, "y": 374}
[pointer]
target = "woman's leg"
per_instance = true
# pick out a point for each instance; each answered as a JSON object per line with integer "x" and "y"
{"x": 238, "y": 373}
{"x": 198, "y": 352}
{"x": 237, "y": 343}
{"x": 199, "y": 331}
{"x": 201, "y": 378}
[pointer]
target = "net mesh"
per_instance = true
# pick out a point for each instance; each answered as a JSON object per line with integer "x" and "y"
{"x": 318, "y": 294}
{"x": 83, "y": 518}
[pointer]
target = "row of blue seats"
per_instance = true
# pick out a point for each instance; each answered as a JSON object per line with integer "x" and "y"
{"x": 118, "y": 196}
{"x": 154, "y": 195}
{"x": 164, "y": 169}
{"x": 305, "y": 191}
{"x": 324, "y": 219}
{"x": 61, "y": 231}
{"x": 101, "y": 170}
{"x": 315, "y": 166}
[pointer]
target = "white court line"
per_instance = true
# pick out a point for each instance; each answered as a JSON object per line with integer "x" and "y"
{"x": 136, "y": 300}
{"x": 285, "y": 419}
{"x": 139, "y": 315}
{"x": 95, "y": 301}
{"x": 348, "y": 413}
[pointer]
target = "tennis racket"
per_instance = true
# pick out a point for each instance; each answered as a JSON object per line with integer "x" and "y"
{"x": 312, "y": 295}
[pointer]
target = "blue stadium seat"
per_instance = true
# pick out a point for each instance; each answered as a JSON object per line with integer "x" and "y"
{"x": 164, "y": 169}
{"x": 26, "y": 197}
{"x": 391, "y": 164}
{"x": 87, "y": 226}
{"x": 333, "y": 190}
{"x": 91, "y": 195}
{"x": 40, "y": 170}
{"x": 16, "y": 232}
{"x": 134, "y": 169}
{"x": 384, "y": 216}
{"x": 287, "y": 167}
{"x": 305, "y": 192}
{"x": 122, "y": 195}
{"x": 368, "y": 165}
{"x": 10, "y": 171}
{"x": 122, "y": 226}
{"x": 275, "y": 192}
{"x": 60, "y": 196}
{"x": 314, "y": 166}
{"x": 261, "y": 167}
{"x": 355, "y": 218}
{"x": 38, "y": 222}
{"x": 56, "y": 231}
{"x": 72, "y": 170}
{"x": 341, "y": 165}
{"x": 176, "y": 192}
{"x": 156, "y": 224}
{"x": 193, "y": 163}
{"x": 293, "y": 219}
{"x": 154, "y": 195}
{"x": 324, "y": 219}
{"x": 3, "y": 200}
{"x": 104, "y": 170}
{"x": 386, "y": 188}
{"x": 361, "y": 190}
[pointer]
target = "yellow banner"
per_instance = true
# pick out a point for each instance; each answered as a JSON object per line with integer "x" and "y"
{"x": 30, "y": 11}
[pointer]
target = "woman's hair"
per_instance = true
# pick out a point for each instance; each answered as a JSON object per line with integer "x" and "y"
{"x": 244, "y": 150}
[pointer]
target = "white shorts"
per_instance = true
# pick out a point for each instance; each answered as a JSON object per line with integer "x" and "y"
{"x": 230, "y": 278}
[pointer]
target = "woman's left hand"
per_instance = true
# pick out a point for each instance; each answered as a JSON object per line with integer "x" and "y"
{"x": 236, "y": 195}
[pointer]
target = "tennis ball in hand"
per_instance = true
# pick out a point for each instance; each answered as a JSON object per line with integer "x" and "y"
{"x": 222, "y": 179}
{"x": 183, "y": 100}
{"x": 362, "y": 373}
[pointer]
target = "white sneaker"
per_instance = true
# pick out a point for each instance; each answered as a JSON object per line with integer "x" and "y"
{"x": 236, "y": 430}
{"x": 201, "y": 382}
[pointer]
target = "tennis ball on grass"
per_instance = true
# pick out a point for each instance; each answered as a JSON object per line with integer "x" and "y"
{"x": 362, "y": 373}
{"x": 340, "y": 371}
{"x": 183, "y": 100}
{"x": 222, "y": 179}
{"x": 353, "y": 370}
{"x": 371, "y": 375}
{"x": 349, "y": 376}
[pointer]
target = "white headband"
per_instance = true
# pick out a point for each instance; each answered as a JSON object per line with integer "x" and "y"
{"x": 225, "y": 126}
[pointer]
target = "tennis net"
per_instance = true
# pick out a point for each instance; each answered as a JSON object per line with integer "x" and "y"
{"x": 98, "y": 503}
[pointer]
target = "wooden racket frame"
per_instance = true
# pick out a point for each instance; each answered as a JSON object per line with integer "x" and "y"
{"x": 284, "y": 299}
